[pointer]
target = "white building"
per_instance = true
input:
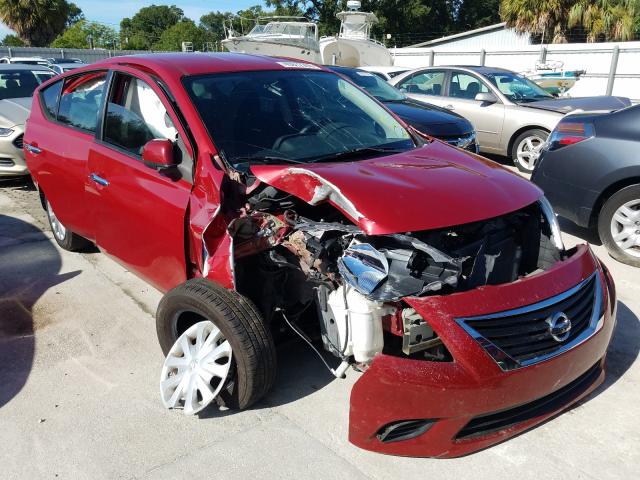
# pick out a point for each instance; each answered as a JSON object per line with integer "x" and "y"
{"x": 493, "y": 36}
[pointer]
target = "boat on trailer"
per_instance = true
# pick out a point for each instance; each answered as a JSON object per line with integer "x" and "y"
{"x": 552, "y": 77}
{"x": 278, "y": 36}
{"x": 353, "y": 45}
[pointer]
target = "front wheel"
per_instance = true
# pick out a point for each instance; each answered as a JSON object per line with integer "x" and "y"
{"x": 200, "y": 312}
{"x": 526, "y": 149}
{"x": 619, "y": 225}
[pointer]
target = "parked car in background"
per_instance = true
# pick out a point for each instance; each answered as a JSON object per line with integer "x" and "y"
{"x": 268, "y": 196}
{"x": 17, "y": 83}
{"x": 55, "y": 60}
{"x": 25, "y": 60}
{"x": 590, "y": 171}
{"x": 511, "y": 114}
{"x": 435, "y": 121}
{"x": 59, "y": 68}
{"x": 386, "y": 73}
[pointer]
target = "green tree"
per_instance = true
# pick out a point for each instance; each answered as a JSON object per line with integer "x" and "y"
{"x": 147, "y": 26}
{"x": 547, "y": 18}
{"x": 11, "y": 41}
{"x": 608, "y": 20}
{"x": 75, "y": 14}
{"x": 83, "y": 34}
{"x": 477, "y": 13}
{"x": 37, "y": 22}
{"x": 184, "y": 31}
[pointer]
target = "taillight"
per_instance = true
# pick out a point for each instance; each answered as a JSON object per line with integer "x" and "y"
{"x": 569, "y": 133}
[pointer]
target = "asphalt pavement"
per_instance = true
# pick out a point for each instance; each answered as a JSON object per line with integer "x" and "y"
{"x": 79, "y": 392}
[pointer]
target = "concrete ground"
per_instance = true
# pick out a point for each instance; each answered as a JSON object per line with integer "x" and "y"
{"x": 79, "y": 394}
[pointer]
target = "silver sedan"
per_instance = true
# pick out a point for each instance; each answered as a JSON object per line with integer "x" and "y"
{"x": 17, "y": 83}
{"x": 512, "y": 115}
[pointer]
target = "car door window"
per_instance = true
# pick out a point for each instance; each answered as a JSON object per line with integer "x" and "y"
{"x": 49, "y": 99}
{"x": 425, "y": 83}
{"x": 466, "y": 86}
{"x": 135, "y": 115}
{"x": 80, "y": 100}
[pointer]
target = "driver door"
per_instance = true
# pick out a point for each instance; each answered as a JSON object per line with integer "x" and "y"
{"x": 140, "y": 211}
{"x": 487, "y": 118}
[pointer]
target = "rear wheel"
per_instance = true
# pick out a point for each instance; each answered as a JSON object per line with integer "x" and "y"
{"x": 619, "y": 225}
{"x": 527, "y": 147}
{"x": 63, "y": 236}
{"x": 233, "y": 321}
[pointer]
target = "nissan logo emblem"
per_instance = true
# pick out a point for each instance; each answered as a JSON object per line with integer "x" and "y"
{"x": 559, "y": 326}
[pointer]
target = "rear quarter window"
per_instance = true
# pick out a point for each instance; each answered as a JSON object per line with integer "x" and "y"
{"x": 49, "y": 100}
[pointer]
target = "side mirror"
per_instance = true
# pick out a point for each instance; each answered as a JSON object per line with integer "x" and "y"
{"x": 486, "y": 97}
{"x": 158, "y": 154}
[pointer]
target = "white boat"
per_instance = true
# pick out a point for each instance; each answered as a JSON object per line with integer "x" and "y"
{"x": 293, "y": 37}
{"x": 552, "y": 76}
{"x": 353, "y": 46}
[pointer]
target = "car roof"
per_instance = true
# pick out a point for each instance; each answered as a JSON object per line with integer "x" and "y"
{"x": 23, "y": 66}
{"x": 182, "y": 64}
{"x": 476, "y": 68}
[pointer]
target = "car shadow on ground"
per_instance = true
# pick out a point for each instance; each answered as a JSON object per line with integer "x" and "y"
{"x": 29, "y": 266}
{"x": 300, "y": 373}
{"x": 623, "y": 349}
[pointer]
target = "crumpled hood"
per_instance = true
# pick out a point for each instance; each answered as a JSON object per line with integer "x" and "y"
{"x": 14, "y": 111}
{"x": 588, "y": 104}
{"x": 431, "y": 187}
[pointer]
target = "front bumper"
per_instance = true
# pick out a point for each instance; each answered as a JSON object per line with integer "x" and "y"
{"x": 12, "y": 161}
{"x": 454, "y": 401}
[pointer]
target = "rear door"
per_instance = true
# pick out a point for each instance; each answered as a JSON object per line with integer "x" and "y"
{"x": 58, "y": 139}
{"x": 141, "y": 211}
{"x": 427, "y": 86}
{"x": 487, "y": 118}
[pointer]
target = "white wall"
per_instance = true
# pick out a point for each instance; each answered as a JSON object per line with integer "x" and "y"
{"x": 595, "y": 58}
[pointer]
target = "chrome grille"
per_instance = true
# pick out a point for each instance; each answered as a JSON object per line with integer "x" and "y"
{"x": 467, "y": 141}
{"x": 522, "y": 337}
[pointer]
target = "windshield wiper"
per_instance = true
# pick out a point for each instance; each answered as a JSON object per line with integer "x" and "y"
{"x": 266, "y": 159}
{"x": 356, "y": 152}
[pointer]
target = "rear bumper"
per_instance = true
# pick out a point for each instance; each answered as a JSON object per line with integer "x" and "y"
{"x": 471, "y": 403}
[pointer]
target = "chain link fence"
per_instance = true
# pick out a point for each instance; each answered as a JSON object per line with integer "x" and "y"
{"x": 86, "y": 55}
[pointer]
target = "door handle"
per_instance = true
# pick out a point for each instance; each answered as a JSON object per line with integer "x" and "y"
{"x": 99, "y": 180}
{"x": 32, "y": 148}
{"x": 449, "y": 107}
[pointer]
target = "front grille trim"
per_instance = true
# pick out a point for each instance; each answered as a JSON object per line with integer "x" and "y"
{"x": 507, "y": 362}
{"x": 497, "y": 421}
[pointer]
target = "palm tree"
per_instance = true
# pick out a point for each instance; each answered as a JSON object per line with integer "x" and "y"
{"x": 546, "y": 18}
{"x": 609, "y": 20}
{"x": 37, "y": 22}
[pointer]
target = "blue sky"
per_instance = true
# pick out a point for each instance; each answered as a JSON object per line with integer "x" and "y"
{"x": 113, "y": 11}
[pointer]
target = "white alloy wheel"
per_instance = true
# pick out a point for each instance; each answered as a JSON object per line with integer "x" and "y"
{"x": 196, "y": 368}
{"x": 528, "y": 151}
{"x": 57, "y": 227}
{"x": 625, "y": 227}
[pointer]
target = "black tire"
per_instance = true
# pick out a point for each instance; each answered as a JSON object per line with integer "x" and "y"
{"x": 68, "y": 241}
{"x": 534, "y": 132}
{"x": 254, "y": 353}
{"x": 605, "y": 217}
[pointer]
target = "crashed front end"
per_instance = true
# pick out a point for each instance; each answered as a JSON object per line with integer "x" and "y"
{"x": 466, "y": 334}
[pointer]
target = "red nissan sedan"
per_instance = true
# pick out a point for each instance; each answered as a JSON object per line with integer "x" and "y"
{"x": 269, "y": 197}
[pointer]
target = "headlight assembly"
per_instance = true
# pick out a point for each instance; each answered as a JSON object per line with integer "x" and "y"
{"x": 5, "y": 132}
{"x": 549, "y": 214}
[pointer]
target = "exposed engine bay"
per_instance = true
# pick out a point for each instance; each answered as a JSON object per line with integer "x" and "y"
{"x": 310, "y": 266}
